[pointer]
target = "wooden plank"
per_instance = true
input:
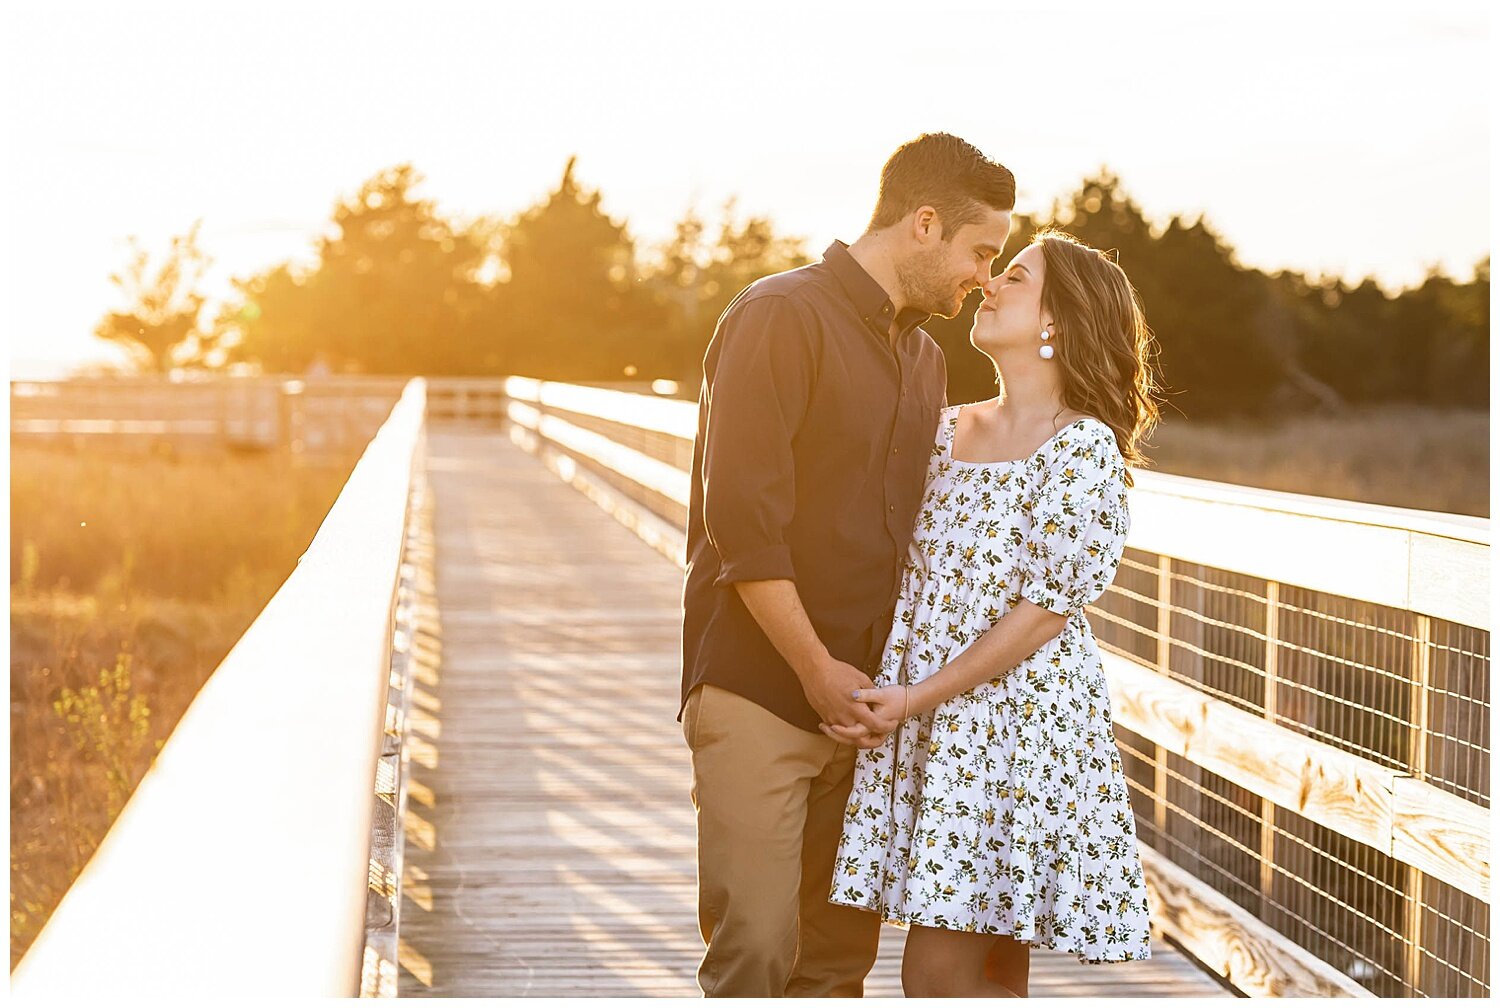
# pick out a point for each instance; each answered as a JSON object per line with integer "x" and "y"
{"x": 1417, "y": 743}
{"x": 562, "y": 853}
{"x": 1437, "y": 566}
{"x": 1272, "y": 681}
{"x": 1229, "y": 939}
{"x": 1443, "y": 835}
{"x": 1327, "y": 785}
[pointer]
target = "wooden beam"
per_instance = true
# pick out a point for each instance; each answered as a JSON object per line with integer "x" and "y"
{"x": 1164, "y": 666}
{"x": 1420, "y": 688}
{"x": 1412, "y": 821}
{"x": 1232, "y": 942}
{"x": 1327, "y": 785}
{"x": 1267, "y": 806}
{"x": 1443, "y": 835}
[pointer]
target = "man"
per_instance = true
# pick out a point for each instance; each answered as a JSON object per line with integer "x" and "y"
{"x": 817, "y": 415}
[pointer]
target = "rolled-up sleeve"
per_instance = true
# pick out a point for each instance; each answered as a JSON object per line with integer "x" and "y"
{"x": 758, "y": 376}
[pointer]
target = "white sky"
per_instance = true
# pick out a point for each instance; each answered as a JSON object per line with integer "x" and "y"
{"x": 1339, "y": 138}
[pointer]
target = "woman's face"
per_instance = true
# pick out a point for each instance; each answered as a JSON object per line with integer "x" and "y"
{"x": 1011, "y": 313}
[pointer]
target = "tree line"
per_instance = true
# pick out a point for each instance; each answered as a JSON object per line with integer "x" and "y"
{"x": 563, "y": 291}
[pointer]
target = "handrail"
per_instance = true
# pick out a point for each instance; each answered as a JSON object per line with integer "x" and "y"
{"x": 240, "y": 863}
{"x": 655, "y": 475}
{"x": 1398, "y": 557}
{"x": 665, "y": 416}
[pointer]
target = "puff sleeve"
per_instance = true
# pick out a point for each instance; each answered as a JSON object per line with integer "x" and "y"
{"x": 1079, "y": 520}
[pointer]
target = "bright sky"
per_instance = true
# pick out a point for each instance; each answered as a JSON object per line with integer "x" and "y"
{"x": 1341, "y": 138}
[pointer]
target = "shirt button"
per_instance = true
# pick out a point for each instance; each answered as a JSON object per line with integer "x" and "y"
{"x": 895, "y": 451}
{"x": 890, "y": 507}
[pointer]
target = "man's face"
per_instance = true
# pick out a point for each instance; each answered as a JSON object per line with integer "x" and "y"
{"x": 940, "y": 274}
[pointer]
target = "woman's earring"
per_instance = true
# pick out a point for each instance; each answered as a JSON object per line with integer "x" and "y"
{"x": 1046, "y": 348}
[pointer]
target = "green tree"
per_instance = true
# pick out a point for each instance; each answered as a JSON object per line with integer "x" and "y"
{"x": 572, "y": 305}
{"x": 697, "y": 279}
{"x": 162, "y": 318}
{"x": 394, "y": 290}
{"x": 1441, "y": 339}
{"x": 1229, "y": 343}
{"x": 1348, "y": 338}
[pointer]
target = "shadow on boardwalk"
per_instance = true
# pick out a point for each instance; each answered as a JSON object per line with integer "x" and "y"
{"x": 550, "y": 849}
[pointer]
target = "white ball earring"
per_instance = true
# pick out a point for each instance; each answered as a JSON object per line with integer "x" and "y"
{"x": 1046, "y": 349}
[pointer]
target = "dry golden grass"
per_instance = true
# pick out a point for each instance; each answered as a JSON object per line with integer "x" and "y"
{"x": 132, "y": 577}
{"x": 1415, "y": 457}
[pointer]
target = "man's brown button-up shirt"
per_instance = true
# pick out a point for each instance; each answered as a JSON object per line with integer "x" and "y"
{"x": 815, "y": 426}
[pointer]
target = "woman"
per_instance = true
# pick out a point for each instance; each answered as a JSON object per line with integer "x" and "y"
{"x": 995, "y": 816}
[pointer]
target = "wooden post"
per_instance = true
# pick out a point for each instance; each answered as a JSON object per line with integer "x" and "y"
{"x": 289, "y": 398}
{"x": 1421, "y": 680}
{"x": 1267, "y": 806}
{"x": 1163, "y": 665}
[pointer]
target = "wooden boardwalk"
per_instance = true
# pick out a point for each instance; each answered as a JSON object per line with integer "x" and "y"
{"x": 550, "y": 842}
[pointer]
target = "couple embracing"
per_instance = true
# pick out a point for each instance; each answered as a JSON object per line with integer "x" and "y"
{"x": 894, "y": 704}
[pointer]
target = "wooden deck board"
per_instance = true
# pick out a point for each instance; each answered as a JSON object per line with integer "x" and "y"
{"x": 557, "y": 852}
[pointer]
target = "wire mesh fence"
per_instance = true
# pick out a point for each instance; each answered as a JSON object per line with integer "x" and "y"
{"x": 1398, "y": 688}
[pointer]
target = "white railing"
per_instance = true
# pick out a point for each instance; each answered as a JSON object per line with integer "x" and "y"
{"x": 1426, "y": 561}
{"x": 334, "y": 413}
{"x": 240, "y": 865}
{"x": 1298, "y": 759}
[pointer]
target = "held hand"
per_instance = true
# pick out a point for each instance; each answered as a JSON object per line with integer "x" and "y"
{"x": 859, "y": 737}
{"x": 830, "y": 691}
{"x": 889, "y": 705}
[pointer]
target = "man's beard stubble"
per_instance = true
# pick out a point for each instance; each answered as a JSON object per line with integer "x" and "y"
{"x": 924, "y": 284}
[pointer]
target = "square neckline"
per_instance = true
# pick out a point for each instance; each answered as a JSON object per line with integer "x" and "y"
{"x": 953, "y": 434}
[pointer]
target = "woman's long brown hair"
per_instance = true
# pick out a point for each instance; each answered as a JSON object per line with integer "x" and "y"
{"x": 1106, "y": 350}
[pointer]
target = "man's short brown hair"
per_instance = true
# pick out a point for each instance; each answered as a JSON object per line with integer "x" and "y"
{"x": 946, "y": 173}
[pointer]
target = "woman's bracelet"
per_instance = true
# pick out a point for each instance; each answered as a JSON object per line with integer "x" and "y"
{"x": 905, "y": 701}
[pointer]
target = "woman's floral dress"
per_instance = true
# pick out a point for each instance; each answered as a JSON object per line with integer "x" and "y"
{"x": 1005, "y": 811}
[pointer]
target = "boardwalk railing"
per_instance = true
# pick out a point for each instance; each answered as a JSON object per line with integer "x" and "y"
{"x": 1300, "y": 688}
{"x": 256, "y": 412}
{"x": 242, "y": 862}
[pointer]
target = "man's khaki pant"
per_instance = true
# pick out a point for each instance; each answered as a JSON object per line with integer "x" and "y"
{"x": 770, "y": 799}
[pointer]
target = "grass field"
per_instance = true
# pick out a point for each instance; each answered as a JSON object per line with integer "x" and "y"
{"x": 132, "y": 577}
{"x": 1435, "y": 460}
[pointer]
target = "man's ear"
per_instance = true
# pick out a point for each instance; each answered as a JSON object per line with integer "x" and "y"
{"x": 926, "y": 226}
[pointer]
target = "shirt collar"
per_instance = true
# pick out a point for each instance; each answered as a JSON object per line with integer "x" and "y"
{"x": 870, "y": 299}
